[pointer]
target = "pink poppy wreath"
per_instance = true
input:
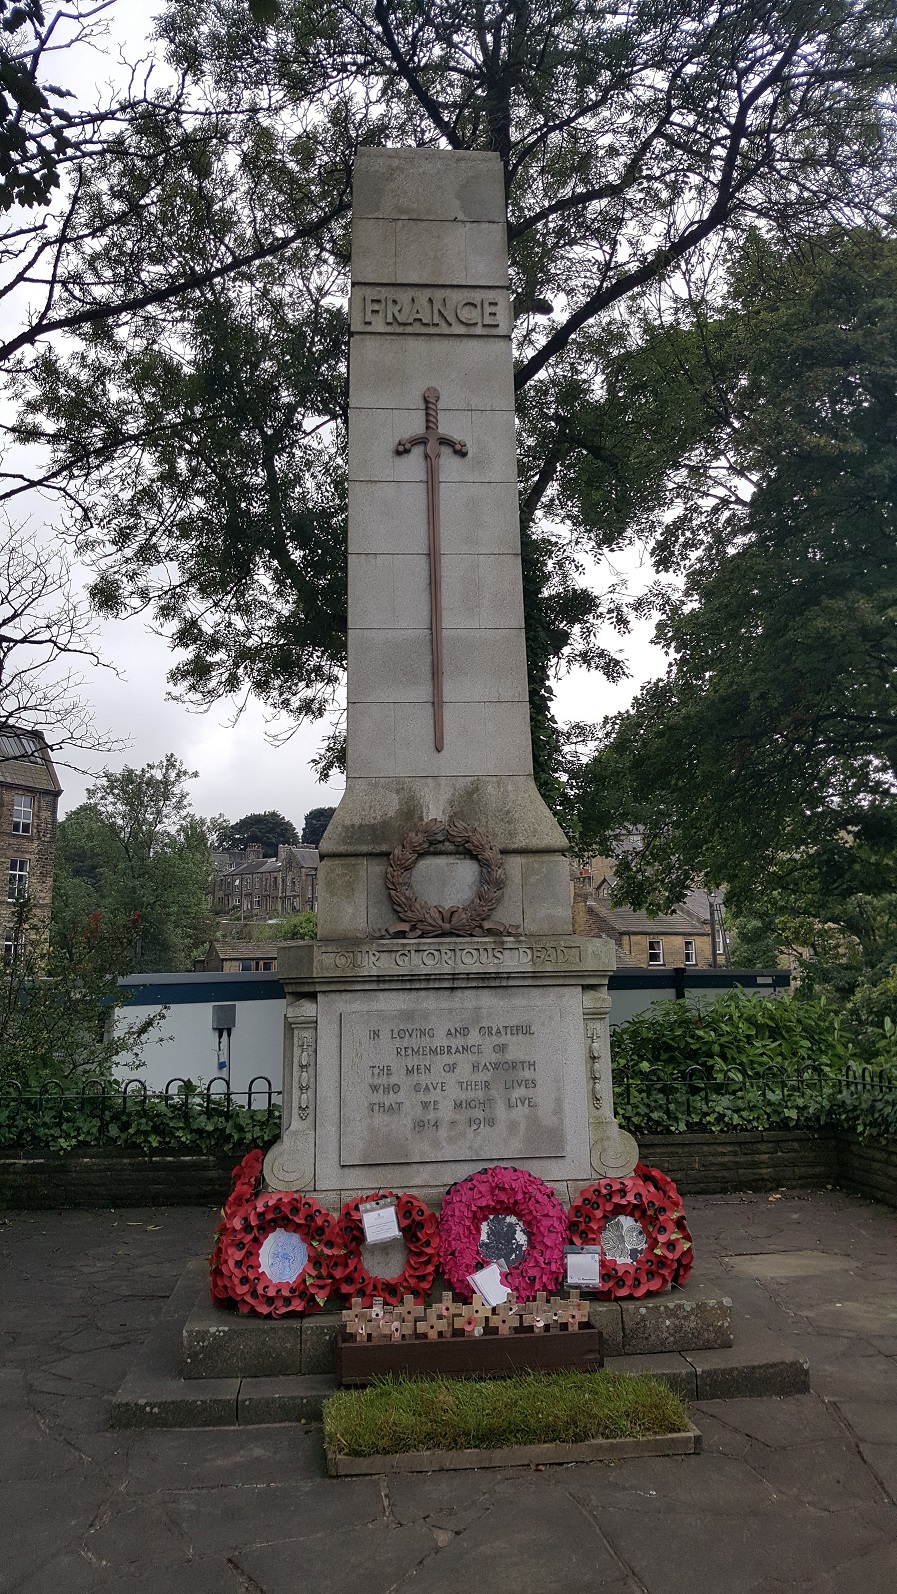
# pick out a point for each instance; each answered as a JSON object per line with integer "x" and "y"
{"x": 639, "y": 1222}
{"x": 515, "y": 1199}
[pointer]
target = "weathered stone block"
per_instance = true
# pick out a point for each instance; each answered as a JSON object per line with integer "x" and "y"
{"x": 438, "y": 185}
{"x": 342, "y": 906}
{"x": 222, "y": 1344}
{"x": 319, "y": 1342}
{"x": 606, "y": 1316}
{"x": 696, "y": 1317}
{"x": 546, "y": 895}
{"x": 301, "y": 1399}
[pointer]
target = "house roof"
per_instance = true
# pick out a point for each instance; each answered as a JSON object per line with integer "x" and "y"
{"x": 25, "y": 761}
{"x": 244, "y": 949}
{"x": 632, "y": 921}
{"x": 299, "y": 857}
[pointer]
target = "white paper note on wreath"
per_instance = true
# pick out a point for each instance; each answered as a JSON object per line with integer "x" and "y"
{"x": 584, "y": 1267}
{"x": 488, "y": 1284}
{"x": 380, "y": 1223}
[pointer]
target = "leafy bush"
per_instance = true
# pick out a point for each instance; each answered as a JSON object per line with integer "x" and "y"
{"x": 737, "y": 1063}
{"x": 60, "y": 1120}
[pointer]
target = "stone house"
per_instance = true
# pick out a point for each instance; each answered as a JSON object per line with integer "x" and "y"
{"x": 247, "y": 886}
{"x": 29, "y": 799}
{"x": 680, "y": 939}
{"x": 238, "y": 957}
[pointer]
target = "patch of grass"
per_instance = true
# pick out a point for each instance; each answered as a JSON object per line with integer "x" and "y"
{"x": 397, "y": 1415}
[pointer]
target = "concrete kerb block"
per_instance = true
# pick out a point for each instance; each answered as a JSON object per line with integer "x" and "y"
{"x": 759, "y": 1364}
{"x": 673, "y": 1369}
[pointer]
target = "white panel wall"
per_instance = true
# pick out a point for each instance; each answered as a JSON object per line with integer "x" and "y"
{"x": 185, "y": 1045}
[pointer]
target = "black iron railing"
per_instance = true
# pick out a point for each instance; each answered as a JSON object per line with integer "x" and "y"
{"x": 98, "y": 1112}
{"x": 730, "y": 1096}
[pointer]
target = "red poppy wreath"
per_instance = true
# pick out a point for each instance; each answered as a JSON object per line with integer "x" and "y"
{"x": 508, "y": 1216}
{"x": 244, "y": 1183}
{"x": 279, "y": 1253}
{"x": 639, "y": 1222}
{"x": 419, "y": 1230}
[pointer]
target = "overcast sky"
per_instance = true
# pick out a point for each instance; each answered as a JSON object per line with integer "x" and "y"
{"x": 238, "y": 770}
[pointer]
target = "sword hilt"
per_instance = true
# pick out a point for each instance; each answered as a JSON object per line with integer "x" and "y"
{"x": 431, "y": 409}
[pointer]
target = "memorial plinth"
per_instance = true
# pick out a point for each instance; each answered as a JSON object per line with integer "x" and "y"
{"x": 447, "y": 1017}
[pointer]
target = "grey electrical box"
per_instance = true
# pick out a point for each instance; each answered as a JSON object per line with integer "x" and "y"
{"x": 224, "y": 1016}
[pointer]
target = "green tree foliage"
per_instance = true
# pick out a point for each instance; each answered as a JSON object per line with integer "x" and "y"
{"x": 269, "y": 831}
{"x": 314, "y": 824}
{"x": 295, "y": 927}
{"x": 765, "y": 759}
{"x": 198, "y": 424}
{"x": 57, "y": 1005}
{"x": 135, "y": 853}
{"x": 755, "y": 942}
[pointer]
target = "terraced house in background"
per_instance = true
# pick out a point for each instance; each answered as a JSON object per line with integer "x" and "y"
{"x": 29, "y": 799}
{"x": 249, "y": 886}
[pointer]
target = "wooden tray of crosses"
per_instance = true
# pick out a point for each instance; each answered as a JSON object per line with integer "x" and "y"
{"x": 452, "y": 1339}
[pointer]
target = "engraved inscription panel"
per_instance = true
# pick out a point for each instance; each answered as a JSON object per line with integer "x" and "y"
{"x": 466, "y": 312}
{"x": 478, "y": 1079}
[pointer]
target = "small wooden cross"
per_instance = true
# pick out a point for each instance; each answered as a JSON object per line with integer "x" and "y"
{"x": 471, "y": 1320}
{"x": 408, "y": 1314}
{"x": 577, "y": 1311}
{"x": 358, "y": 1321}
{"x": 435, "y": 1325}
{"x": 557, "y": 1314}
{"x": 505, "y": 1318}
{"x": 536, "y": 1317}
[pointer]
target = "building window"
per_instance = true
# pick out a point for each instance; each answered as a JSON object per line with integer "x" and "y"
{"x": 720, "y": 941}
{"x": 246, "y": 965}
{"x": 9, "y": 954}
{"x": 655, "y": 949}
{"x": 22, "y": 815}
{"x": 18, "y": 879}
{"x": 258, "y": 902}
{"x": 267, "y": 964}
{"x": 691, "y": 953}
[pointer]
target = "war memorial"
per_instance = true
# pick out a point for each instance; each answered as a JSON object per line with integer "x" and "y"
{"x": 448, "y": 1112}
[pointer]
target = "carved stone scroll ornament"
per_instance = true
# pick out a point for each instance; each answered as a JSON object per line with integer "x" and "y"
{"x": 417, "y": 917}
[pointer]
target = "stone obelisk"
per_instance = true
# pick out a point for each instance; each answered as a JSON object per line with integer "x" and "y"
{"x": 446, "y": 1017}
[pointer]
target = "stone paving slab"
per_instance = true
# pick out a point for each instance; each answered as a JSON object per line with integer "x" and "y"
{"x": 791, "y": 1496}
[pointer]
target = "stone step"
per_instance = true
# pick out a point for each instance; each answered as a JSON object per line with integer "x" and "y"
{"x": 155, "y": 1394}
{"x": 224, "y": 1344}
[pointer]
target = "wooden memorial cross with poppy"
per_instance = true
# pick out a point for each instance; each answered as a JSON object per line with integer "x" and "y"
{"x": 472, "y": 1319}
{"x": 538, "y": 1315}
{"x": 505, "y": 1318}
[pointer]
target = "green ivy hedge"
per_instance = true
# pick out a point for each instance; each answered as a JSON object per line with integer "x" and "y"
{"x": 186, "y": 1122}
{"x": 745, "y": 1063}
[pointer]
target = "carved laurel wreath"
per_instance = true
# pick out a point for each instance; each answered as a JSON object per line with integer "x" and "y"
{"x": 417, "y": 917}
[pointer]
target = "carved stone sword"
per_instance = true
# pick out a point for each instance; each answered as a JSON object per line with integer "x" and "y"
{"x": 433, "y": 440}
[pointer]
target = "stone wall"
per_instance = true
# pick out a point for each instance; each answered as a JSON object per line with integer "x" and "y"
{"x": 701, "y": 1164}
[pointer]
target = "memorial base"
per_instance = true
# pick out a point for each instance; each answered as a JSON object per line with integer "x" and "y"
{"x": 410, "y": 1064}
{"x": 204, "y": 1366}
